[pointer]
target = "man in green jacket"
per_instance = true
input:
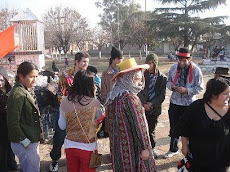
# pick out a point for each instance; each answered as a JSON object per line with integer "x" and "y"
{"x": 153, "y": 95}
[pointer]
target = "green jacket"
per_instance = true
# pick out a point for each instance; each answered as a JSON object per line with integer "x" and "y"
{"x": 160, "y": 92}
{"x": 23, "y": 116}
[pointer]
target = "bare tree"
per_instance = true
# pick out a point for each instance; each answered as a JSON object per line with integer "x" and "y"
{"x": 101, "y": 37}
{"x": 137, "y": 31}
{"x": 5, "y": 16}
{"x": 63, "y": 27}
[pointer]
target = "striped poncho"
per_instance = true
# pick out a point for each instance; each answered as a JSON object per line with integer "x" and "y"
{"x": 129, "y": 135}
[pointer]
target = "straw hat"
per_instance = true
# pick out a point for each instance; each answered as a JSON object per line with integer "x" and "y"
{"x": 128, "y": 66}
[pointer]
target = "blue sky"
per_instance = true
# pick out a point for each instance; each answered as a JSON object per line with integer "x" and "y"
{"x": 88, "y": 9}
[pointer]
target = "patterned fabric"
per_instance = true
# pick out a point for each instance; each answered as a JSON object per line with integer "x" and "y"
{"x": 74, "y": 131}
{"x": 129, "y": 135}
{"x": 123, "y": 84}
{"x": 65, "y": 82}
{"x": 152, "y": 82}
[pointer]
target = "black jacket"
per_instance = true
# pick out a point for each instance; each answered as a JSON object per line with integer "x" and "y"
{"x": 160, "y": 91}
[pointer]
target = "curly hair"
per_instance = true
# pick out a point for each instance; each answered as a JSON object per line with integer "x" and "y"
{"x": 215, "y": 87}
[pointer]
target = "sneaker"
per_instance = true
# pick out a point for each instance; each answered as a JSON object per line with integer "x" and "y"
{"x": 170, "y": 154}
{"x": 155, "y": 154}
{"x": 54, "y": 166}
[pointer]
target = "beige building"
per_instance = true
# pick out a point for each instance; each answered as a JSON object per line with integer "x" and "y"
{"x": 29, "y": 36}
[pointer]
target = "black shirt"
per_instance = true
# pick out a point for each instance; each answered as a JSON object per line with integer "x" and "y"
{"x": 209, "y": 140}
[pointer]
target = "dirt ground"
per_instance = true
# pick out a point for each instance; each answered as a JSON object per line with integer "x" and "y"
{"x": 162, "y": 130}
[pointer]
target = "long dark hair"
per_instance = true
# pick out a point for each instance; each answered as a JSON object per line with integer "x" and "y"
{"x": 24, "y": 69}
{"x": 7, "y": 84}
{"x": 83, "y": 85}
{"x": 215, "y": 87}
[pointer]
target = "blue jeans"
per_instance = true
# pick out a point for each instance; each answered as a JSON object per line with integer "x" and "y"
{"x": 29, "y": 158}
{"x": 58, "y": 141}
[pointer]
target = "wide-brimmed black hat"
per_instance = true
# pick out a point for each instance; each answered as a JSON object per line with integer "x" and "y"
{"x": 184, "y": 53}
{"x": 222, "y": 71}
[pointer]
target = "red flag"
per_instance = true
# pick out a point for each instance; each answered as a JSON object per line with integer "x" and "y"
{"x": 7, "y": 41}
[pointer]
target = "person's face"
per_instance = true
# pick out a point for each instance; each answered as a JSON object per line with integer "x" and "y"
{"x": 138, "y": 78}
{"x": 2, "y": 82}
{"x": 151, "y": 67}
{"x": 223, "y": 99}
{"x": 83, "y": 64}
{"x": 183, "y": 62}
{"x": 52, "y": 87}
{"x": 118, "y": 60}
{"x": 29, "y": 80}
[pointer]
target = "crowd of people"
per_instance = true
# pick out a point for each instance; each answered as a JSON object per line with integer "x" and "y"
{"x": 124, "y": 105}
{"x": 219, "y": 51}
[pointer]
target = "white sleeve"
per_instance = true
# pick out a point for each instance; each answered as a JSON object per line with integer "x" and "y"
{"x": 61, "y": 120}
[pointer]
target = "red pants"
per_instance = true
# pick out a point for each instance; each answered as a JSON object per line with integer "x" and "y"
{"x": 78, "y": 160}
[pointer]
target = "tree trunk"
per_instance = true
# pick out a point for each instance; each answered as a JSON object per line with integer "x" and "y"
{"x": 140, "y": 54}
{"x": 186, "y": 34}
{"x": 56, "y": 54}
{"x": 146, "y": 50}
{"x": 100, "y": 54}
{"x": 186, "y": 39}
{"x": 59, "y": 58}
{"x": 194, "y": 43}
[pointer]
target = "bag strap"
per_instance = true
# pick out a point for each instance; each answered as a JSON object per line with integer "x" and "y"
{"x": 75, "y": 111}
{"x": 214, "y": 110}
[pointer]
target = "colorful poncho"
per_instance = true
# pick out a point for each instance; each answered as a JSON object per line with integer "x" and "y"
{"x": 129, "y": 135}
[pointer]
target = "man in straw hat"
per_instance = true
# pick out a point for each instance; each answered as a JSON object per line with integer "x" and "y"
{"x": 153, "y": 95}
{"x": 129, "y": 139}
{"x": 185, "y": 80}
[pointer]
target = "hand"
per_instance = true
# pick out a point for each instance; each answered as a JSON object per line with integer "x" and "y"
{"x": 147, "y": 107}
{"x": 185, "y": 150}
{"x": 150, "y": 104}
{"x": 145, "y": 154}
{"x": 42, "y": 138}
{"x": 174, "y": 87}
{"x": 182, "y": 90}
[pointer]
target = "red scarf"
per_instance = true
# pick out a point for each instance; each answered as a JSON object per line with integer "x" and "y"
{"x": 190, "y": 74}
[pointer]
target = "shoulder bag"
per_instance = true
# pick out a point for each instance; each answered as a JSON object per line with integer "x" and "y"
{"x": 95, "y": 158}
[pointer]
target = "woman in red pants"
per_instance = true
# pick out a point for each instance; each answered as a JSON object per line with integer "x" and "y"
{"x": 78, "y": 115}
